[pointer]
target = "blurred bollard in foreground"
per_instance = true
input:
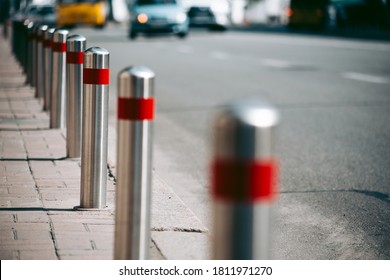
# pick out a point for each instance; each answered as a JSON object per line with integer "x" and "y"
{"x": 243, "y": 180}
{"x": 134, "y": 163}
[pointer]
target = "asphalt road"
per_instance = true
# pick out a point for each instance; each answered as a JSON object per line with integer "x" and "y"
{"x": 333, "y": 142}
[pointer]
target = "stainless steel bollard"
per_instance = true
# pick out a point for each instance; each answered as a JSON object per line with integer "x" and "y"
{"x": 35, "y": 56}
{"x": 40, "y": 88}
{"x": 134, "y": 163}
{"x": 29, "y": 54}
{"x": 96, "y": 78}
{"x": 243, "y": 180}
{"x": 24, "y": 46}
{"x": 58, "y": 94}
{"x": 47, "y": 47}
{"x": 75, "y": 47}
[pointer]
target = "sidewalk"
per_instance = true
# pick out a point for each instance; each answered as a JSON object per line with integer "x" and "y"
{"x": 39, "y": 188}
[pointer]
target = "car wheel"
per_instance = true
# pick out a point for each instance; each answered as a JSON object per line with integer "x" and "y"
{"x": 182, "y": 35}
{"x": 100, "y": 26}
{"x": 132, "y": 35}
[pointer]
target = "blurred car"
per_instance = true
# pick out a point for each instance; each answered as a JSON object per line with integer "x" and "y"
{"x": 307, "y": 13}
{"x": 203, "y": 17}
{"x": 359, "y": 12}
{"x": 82, "y": 12}
{"x": 157, "y": 16}
{"x": 44, "y": 14}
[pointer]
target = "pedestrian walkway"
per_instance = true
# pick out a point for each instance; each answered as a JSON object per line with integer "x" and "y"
{"x": 40, "y": 186}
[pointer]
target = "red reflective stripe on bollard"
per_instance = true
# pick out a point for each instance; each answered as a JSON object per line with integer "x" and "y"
{"x": 96, "y": 76}
{"x": 135, "y": 109}
{"x": 47, "y": 43}
{"x": 75, "y": 57}
{"x": 58, "y": 47}
{"x": 244, "y": 181}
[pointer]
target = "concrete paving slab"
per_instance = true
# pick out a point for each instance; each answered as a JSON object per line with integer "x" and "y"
{"x": 183, "y": 245}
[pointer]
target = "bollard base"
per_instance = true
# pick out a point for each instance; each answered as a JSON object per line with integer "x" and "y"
{"x": 79, "y": 208}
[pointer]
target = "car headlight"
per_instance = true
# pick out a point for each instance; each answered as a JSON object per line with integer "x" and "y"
{"x": 142, "y": 18}
{"x": 181, "y": 17}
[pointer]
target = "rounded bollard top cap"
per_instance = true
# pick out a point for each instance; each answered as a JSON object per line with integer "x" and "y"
{"x": 30, "y": 25}
{"x": 51, "y": 30}
{"x": 60, "y": 35}
{"x": 76, "y": 43}
{"x": 141, "y": 72}
{"x": 76, "y": 37}
{"x": 41, "y": 30}
{"x": 97, "y": 51}
{"x": 96, "y": 58}
{"x": 43, "y": 27}
{"x": 48, "y": 35}
{"x": 136, "y": 82}
{"x": 249, "y": 113}
{"x": 244, "y": 130}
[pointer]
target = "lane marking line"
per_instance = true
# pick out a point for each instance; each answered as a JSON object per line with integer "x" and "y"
{"x": 366, "y": 78}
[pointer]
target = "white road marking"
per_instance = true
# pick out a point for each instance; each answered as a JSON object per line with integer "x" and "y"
{"x": 366, "y": 78}
{"x": 220, "y": 55}
{"x": 184, "y": 49}
{"x": 276, "y": 63}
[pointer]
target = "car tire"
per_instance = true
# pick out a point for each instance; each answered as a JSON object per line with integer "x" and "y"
{"x": 182, "y": 35}
{"x": 132, "y": 35}
{"x": 100, "y": 26}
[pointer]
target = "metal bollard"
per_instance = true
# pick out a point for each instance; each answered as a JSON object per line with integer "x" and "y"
{"x": 96, "y": 78}
{"x": 58, "y": 87}
{"x": 29, "y": 52}
{"x": 24, "y": 45}
{"x": 34, "y": 70}
{"x": 134, "y": 163}
{"x": 40, "y": 87}
{"x": 47, "y": 47}
{"x": 243, "y": 180}
{"x": 75, "y": 47}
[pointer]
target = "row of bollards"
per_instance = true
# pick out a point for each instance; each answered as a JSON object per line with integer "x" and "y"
{"x": 73, "y": 83}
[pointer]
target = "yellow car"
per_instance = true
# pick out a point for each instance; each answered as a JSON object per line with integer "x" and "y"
{"x": 307, "y": 13}
{"x": 81, "y": 12}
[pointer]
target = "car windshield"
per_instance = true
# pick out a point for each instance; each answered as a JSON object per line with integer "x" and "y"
{"x": 155, "y": 2}
{"x": 46, "y": 11}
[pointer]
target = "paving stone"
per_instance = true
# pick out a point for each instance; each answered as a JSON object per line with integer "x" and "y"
{"x": 27, "y": 245}
{"x": 38, "y": 254}
{"x": 68, "y": 242}
{"x": 85, "y": 254}
{"x": 33, "y": 235}
{"x": 6, "y": 234}
{"x": 32, "y": 216}
{"x": 26, "y": 226}
{"x": 182, "y": 245}
{"x": 63, "y": 227}
{"x": 9, "y": 254}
